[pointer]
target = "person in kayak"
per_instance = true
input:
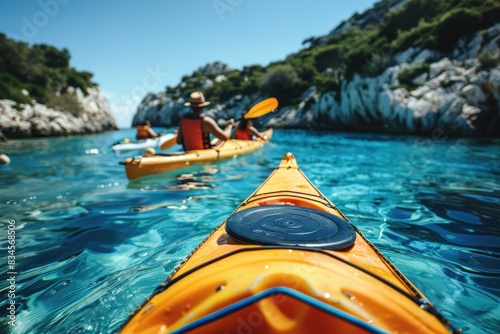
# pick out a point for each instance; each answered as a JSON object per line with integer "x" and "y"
{"x": 144, "y": 131}
{"x": 195, "y": 128}
{"x": 246, "y": 131}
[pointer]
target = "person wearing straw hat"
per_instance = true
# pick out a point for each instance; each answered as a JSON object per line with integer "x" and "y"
{"x": 195, "y": 128}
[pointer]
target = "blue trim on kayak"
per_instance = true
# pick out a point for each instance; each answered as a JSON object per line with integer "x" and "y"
{"x": 274, "y": 291}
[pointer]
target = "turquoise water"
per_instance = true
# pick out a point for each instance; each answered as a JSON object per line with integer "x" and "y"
{"x": 91, "y": 246}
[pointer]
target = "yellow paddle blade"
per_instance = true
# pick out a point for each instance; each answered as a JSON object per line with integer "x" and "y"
{"x": 169, "y": 143}
{"x": 262, "y": 108}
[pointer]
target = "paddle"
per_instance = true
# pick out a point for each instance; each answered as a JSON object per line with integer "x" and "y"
{"x": 169, "y": 143}
{"x": 258, "y": 110}
{"x": 262, "y": 108}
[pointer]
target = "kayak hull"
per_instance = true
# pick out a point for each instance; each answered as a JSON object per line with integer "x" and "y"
{"x": 143, "y": 166}
{"x": 142, "y": 144}
{"x": 286, "y": 286}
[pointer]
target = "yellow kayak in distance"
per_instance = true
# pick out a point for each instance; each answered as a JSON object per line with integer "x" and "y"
{"x": 287, "y": 260}
{"x": 138, "y": 167}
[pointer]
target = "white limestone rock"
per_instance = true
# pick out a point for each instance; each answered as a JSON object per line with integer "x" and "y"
{"x": 439, "y": 67}
{"x": 473, "y": 94}
{"x": 25, "y": 120}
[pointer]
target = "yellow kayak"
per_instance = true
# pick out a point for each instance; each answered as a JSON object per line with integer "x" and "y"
{"x": 287, "y": 261}
{"x": 142, "y": 166}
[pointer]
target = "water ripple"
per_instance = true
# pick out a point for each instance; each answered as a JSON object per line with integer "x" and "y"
{"x": 92, "y": 245}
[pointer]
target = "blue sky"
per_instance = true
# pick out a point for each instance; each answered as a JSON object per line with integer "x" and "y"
{"x": 133, "y": 47}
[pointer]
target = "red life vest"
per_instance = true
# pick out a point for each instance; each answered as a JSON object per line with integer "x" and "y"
{"x": 243, "y": 134}
{"x": 193, "y": 136}
{"x": 142, "y": 132}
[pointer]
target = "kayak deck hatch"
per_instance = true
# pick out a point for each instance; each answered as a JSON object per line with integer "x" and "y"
{"x": 282, "y": 225}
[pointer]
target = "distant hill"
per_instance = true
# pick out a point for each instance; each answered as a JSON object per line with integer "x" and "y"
{"x": 39, "y": 78}
{"x": 395, "y": 44}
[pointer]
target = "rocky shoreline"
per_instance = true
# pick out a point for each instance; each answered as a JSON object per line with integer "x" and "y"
{"x": 455, "y": 97}
{"x": 37, "y": 120}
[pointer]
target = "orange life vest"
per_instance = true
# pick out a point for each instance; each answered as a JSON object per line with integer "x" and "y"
{"x": 193, "y": 136}
{"x": 243, "y": 134}
{"x": 142, "y": 132}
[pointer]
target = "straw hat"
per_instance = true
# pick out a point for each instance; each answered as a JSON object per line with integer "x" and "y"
{"x": 197, "y": 100}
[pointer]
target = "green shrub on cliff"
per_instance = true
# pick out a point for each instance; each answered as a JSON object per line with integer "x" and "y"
{"x": 281, "y": 81}
{"x": 42, "y": 70}
{"x": 408, "y": 73}
{"x": 489, "y": 60}
{"x": 438, "y": 25}
{"x": 364, "y": 45}
{"x": 9, "y": 89}
{"x": 378, "y": 63}
{"x": 64, "y": 102}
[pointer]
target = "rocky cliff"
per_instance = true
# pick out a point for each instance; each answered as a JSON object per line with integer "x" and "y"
{"x": 458, "y": 96}
{"x": 456, "y": 93}
{"x": 38, "y": 120}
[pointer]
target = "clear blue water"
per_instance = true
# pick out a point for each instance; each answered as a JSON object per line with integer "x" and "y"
{"x": 86, "y": 256}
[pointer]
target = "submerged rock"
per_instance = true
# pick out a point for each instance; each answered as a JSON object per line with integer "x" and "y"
{"x": 4, "y": 159}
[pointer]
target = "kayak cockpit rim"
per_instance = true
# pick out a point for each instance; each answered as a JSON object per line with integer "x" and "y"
{"x": 419, "y": 300}
{"x": 272, "y": 292}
